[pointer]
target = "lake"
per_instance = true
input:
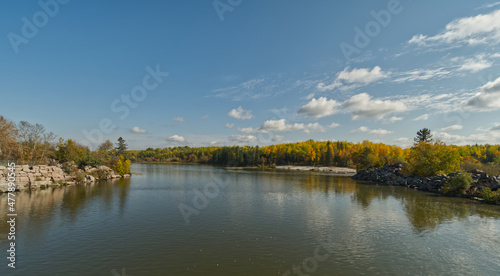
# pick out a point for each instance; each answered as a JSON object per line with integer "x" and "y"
{"x": 203, "y": 220}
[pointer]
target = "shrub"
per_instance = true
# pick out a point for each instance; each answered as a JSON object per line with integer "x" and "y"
{"x": 458, "y": 184}
{"x": 470, "y": 163}
{"x": 89, "y": 160}
{"x": 79, "y": 176}
{"x": 489, "y": 195}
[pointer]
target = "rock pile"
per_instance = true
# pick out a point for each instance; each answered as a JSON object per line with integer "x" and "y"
{"x": 44, "y": 176}
{"x": 393, "y": 175}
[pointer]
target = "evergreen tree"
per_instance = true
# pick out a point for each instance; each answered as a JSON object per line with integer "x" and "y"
{"x": 329, "y": 154}
{"x": 423, "y": 135}
{"x": 121, "y": 146}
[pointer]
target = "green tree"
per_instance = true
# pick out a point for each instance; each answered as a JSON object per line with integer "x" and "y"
{"x": 423, "y": 135}
{"x": 121, "y": 145}
{"x": 329, "y": 154}
{"x": 69, "y": 150}
{"x": 106, "y": 146}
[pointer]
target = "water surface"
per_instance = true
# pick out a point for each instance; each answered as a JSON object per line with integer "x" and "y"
{"x": 249, "y": 223}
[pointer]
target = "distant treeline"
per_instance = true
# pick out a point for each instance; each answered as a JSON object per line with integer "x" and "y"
{"x": 425, "y": 157}
{"x": 343, "y": 154}
{"x": 31, "y": 143}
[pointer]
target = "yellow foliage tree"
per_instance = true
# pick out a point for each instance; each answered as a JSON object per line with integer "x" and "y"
{"x": 431, "y": 158}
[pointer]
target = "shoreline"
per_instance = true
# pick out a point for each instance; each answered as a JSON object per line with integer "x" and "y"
{"x": 334, "y": 170}
{"x": 391, "y": 175}
{"x": 326, "y": 169}
{"x": 45, "y": 176}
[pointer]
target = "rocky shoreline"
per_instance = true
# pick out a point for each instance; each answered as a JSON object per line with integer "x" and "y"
{"x": 393, "y": 175}
{"x": 44, "y": 176}
{"x": 336, "y": 170}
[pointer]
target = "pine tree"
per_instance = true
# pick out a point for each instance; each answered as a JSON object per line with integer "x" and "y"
{"x": 329, "y": 154}
{"x": 121, "y": 146}
{"x": 423, "y": 135}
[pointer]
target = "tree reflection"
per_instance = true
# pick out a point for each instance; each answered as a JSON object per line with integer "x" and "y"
{"x": 425, "y": 211}
{"x": 38, "y": 209}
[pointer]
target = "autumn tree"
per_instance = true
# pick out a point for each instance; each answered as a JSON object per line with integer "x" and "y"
{"x": 122, "y": 166}
{"x": 428, "y": 159}
{"x": 8, "y": 135}
{"x": 35, "y": 141}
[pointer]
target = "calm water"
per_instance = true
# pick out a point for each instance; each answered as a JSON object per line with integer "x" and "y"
{"x": 257, "y": 223}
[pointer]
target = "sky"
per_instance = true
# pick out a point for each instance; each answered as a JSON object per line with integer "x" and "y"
{"x": 240, "y": 72}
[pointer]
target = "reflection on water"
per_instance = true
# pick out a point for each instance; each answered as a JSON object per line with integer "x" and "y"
{"x": 424, "y": 210}
{"x": 261, "y": 223}
{"x": 39, "y": 207}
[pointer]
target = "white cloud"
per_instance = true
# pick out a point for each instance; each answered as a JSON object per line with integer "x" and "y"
{"x": 394, "y": 119}
{"x": 176, "y": 138}
{"x": 361, "y": 129}
{"x": 205, "y": 117}
{"x": 421, "y": 74}
{"x": 278, "y": 138}
{"x": 179, "y": 119}
{"x": 310, "y": 96}
{"x": 453, "y": 127}
{"x": 487, "y": 6}
{"x": 476, "y": 138}
{"x": 324, "y": 87}
{"x": 228, "y": 125}
{"x": 479, "y": 29}
{"x": 240, "y": 114}
{"x": 380, "y": 132}
{"x": 475, "y": 65}
{"x": 401, "y": 140}
{"x": 488, "y": 98}
{"x": 358, "y": 77}
{"x": 362, "y": 75}
{"x": 136, "y": 129}
{"x": 280, "y": 126}
{"x": 333, "y": 125}
{"x": 423, "y": 117}
{"x": 243, "y": 138}
{"x": 362, "y": 106}
{"x": 248, "y": 130}
{"x": 313, "y": 127}
{"x": 318, "y": 108}
{"x": 495, "y": 128}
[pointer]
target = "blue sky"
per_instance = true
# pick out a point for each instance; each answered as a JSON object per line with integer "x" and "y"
{"x": 253, "y": 72}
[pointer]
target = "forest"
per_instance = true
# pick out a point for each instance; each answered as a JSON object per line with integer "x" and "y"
{"x": 424, "y": 158}
{"x": 32, "y": 144}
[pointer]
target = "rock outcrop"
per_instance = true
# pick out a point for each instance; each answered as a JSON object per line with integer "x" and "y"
{"x": 43, "y": 176}
{"x": 393, "y": 175}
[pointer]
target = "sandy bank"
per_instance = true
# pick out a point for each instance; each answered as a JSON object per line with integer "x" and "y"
{"x": 337, "y": 170}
